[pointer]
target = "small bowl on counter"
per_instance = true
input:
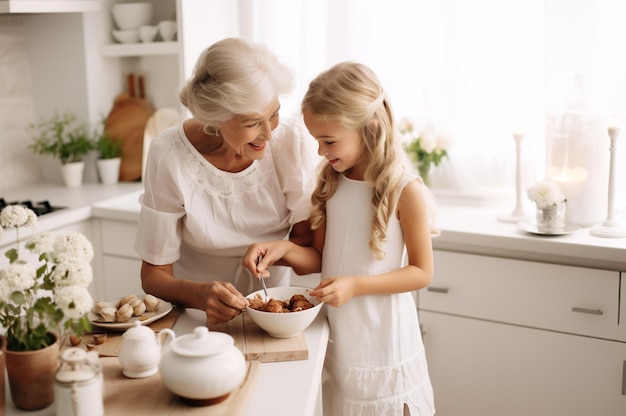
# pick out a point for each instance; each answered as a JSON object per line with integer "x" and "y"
{"x": 287, "y": 324}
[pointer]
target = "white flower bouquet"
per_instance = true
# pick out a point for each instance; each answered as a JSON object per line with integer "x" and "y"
{"x": 425, "y": 147}
{"x": 48, "y": 295}
{"x": 546, "y": 194}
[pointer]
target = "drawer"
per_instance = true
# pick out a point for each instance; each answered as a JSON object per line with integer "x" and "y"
{"x": 556, "y": 297}
{"x": 118, "y": 238}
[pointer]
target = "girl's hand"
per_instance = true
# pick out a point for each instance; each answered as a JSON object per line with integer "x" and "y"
{"x": 335, "y": 291}
{"x": 271, "y": 251}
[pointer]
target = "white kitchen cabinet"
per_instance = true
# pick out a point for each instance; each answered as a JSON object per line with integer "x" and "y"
{"x": 512, "y": 337}
{"x": 622, "y": 311}
{"x": 48, "y": 6}
{"x": 121, "y": 265}
{"x": 483, "y": 368}
{"x": 164, "y": 65}
{"x": 557, "y": 297}
{"x": 90, "y": 69}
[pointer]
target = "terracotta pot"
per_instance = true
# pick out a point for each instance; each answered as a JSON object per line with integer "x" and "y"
{"x": 3, "y": 347}
{"x": 31, "y": 376}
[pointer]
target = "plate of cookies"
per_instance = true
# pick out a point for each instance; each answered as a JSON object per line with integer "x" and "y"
{"x": 123, "y": 312}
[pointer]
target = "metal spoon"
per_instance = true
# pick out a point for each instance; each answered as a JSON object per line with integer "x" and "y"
{"x": 267, "y": 297}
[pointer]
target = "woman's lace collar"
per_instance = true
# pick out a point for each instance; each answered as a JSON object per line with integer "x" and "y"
{"x": 218, "y": 182}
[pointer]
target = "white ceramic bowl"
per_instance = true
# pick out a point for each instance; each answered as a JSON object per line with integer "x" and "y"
{"x": 148, "y": 33}
{"x": 285, "y": 325}
{"x": 131, "y": 16}
{"x": 167, "y": 30}
{"x": 126, "y": 36}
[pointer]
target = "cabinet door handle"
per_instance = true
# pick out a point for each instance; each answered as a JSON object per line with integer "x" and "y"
{"x": 587, "y": 310}
{"x": 624, "y": 379}
{"x": 437, "y": 289}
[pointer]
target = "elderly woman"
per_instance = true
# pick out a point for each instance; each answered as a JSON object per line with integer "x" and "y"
{"x": 227, "y": 177}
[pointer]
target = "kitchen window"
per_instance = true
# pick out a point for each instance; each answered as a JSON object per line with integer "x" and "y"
{"x": 481, "y": 69}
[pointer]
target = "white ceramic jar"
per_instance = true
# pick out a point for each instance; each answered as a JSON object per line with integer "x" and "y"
{"x": 78, "y": 384}
{"x": 203, "y": 367}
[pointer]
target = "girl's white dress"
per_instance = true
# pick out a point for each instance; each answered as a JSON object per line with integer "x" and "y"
{"x": 203, "y": 219}
{"x": 375, "y": 362}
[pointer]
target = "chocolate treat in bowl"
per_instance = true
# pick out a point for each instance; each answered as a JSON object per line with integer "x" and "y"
{"x": 286, "y": 314}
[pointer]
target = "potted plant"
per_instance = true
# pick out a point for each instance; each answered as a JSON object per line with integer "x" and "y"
{"x": 425, "y": 148}
{"x": 109, "y": 157}
{"x": 66, "y": 138}
{"x": 43, "y": 299}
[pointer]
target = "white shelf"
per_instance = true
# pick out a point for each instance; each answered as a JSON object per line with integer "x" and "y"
{"x": 139, "y": 49}
{"x": 49, "y": 6}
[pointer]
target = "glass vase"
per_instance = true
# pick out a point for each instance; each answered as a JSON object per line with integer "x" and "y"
{"x": 551, "y": 218}
{"x": 424, "y": 169}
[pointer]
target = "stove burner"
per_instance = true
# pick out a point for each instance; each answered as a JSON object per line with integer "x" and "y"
{"x": 39, "y": 208}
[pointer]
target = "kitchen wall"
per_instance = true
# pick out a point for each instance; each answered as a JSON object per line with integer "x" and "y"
{"x": 18, "y": 165}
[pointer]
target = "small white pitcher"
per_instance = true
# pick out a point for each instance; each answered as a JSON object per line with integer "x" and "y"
{"x": 140, "y": 352}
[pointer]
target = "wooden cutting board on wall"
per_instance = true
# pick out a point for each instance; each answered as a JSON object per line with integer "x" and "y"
{"x": 127, "y": 121}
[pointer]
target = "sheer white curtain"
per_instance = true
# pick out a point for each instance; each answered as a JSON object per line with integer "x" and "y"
{"x": 478, "y": 69}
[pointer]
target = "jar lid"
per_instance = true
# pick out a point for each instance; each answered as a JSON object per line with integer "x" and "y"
{"x": 75, "y": 367}
{"x": 202, "y": 343}
{"x": 138, "y": 331}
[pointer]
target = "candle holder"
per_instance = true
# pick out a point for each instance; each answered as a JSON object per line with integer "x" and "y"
{"x": 610, "y": 228}
{"x": 518, "y": 213}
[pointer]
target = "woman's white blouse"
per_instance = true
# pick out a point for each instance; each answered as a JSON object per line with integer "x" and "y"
{"x": 202, "y": 219}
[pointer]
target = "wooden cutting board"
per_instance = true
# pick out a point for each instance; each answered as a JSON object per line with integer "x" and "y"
{"x": 253, "y": 342}
{"x": 127, "y": 122}
{"x": 257, "y": 345}
{"x": 148, "y": 396}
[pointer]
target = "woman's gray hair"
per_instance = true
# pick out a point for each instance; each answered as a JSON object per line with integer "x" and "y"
{"x": 234, "y": 76}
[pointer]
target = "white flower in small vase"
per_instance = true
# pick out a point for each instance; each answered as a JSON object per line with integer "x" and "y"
{"x": 551, "y": 203}
{"x": 425, "y": 146}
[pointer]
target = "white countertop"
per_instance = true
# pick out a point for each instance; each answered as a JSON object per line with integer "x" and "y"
{"x": 77, "y": 202}
{"x": 476, "y": 229}
{"x": 468, "y": 228}
{"x": 275, "y": 392}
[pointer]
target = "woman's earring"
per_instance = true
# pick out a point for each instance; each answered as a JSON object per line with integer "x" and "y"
{"x": 217, "y": 131}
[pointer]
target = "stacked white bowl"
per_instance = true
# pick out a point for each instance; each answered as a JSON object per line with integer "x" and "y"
{"x": 129, "y": 17}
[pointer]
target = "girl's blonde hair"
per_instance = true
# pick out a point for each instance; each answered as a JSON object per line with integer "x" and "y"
{"x": 234, "y": 76}
{"x": 350, "y": 94}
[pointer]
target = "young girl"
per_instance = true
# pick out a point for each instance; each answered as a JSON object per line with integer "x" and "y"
{"x": 370, "y": 208}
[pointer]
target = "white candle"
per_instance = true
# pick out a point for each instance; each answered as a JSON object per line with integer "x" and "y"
{"x": 570, "y": 182}
{"x": 613, "y": 128}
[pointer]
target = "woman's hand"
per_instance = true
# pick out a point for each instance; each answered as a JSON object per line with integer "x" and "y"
{"x": 335, "y": 291}
{"x": 222, "y": 302}
{"x": 219, "y": 300}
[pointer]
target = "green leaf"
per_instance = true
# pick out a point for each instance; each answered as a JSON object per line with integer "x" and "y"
{"x": 18, "y": 297}
{"x": 12, "y": 255}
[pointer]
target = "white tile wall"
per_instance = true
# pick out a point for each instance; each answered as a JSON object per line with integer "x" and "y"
{"x": 18, "y": 165}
